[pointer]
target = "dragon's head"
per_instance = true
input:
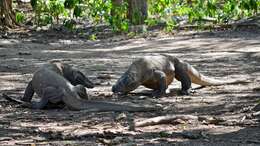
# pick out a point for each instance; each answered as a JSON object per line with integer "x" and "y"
{"x": 81, "y": 91}
{"x": 80, "y": 78}
{"x": 76, "y": 77}
{"x": 126, "y": 83}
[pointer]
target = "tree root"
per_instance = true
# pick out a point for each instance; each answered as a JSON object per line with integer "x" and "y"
{"x": 7, "y": 15}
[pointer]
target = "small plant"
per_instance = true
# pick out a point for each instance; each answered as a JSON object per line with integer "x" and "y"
{"x": 20, "y": 17}
{"x": 45, "y": 20}
{"x": 131, "y": 34}
{"x": 170, "y": 25}
{"x": 93, "y": 37}
{"x": 151, "y": 21}
{"x": 69, "y": 24}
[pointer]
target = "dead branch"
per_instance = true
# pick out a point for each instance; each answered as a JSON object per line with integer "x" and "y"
{"x": 164, "y": 120}
{"x": 179, "y": 119}
{"x": 252, "y": 115}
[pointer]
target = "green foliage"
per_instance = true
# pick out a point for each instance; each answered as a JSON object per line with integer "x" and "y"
{"x": 78, "y": 11}
{"x": 118, "y": 20}
{"x": 19, "y": 17}
{"x": 69, "y": 24}
{"x": 45, "y": 20}
{"x": 93, "y": 37}
{"x": 198, "y": 11}
{"x": 55, "y": 8}
{"x": 70, "y": 4}
{"x": 46, "y": 11}
{"x": 172, "y": 12}
{"x": 151, "y": 21}
{"x": 98, "y": 10}
{"x": 34, "y": 4}
{"x": 170, "y": 25}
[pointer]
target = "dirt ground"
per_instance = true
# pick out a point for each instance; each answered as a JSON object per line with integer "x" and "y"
{"x": 223, "y": 54}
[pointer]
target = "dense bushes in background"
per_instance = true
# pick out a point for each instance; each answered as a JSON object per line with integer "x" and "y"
{"x": 172, "y": 12}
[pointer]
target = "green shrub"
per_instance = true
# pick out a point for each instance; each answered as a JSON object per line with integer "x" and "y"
{"x": 20, "y": 17}
{"x": 168, "y": 11}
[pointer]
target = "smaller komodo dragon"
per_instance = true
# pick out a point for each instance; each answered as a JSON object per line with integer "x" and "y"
{"x": 54, "y": 88}
{"x": 158, "y": 72}
{"x": 73, "y": 75}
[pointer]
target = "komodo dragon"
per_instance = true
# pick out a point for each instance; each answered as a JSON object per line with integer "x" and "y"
{"x": 158, "y": 72}
{"x": 74, "y": 76}
{"x": 53, "y": 88}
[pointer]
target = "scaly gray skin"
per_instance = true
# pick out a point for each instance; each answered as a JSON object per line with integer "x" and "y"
{"x": 53, "y": 88}
{"x": 158, "y": 72}
{"x": 74, "y": 76}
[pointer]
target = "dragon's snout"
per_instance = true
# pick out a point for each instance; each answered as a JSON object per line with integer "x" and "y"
{"x": 114, "y": 89}
{"x": 89, "y": 84}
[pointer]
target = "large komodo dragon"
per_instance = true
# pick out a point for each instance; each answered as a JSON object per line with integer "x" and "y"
{"x": 158, "y": 72}
{"x": 54, "y": 88}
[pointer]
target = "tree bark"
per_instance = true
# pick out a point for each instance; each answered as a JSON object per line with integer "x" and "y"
{"x": 7, "y": 15}
{"x": 137, "y": 11}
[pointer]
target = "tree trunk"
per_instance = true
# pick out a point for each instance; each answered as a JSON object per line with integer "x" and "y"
{"x": 7, "y": 15}
{"x": 137, "y": 11}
